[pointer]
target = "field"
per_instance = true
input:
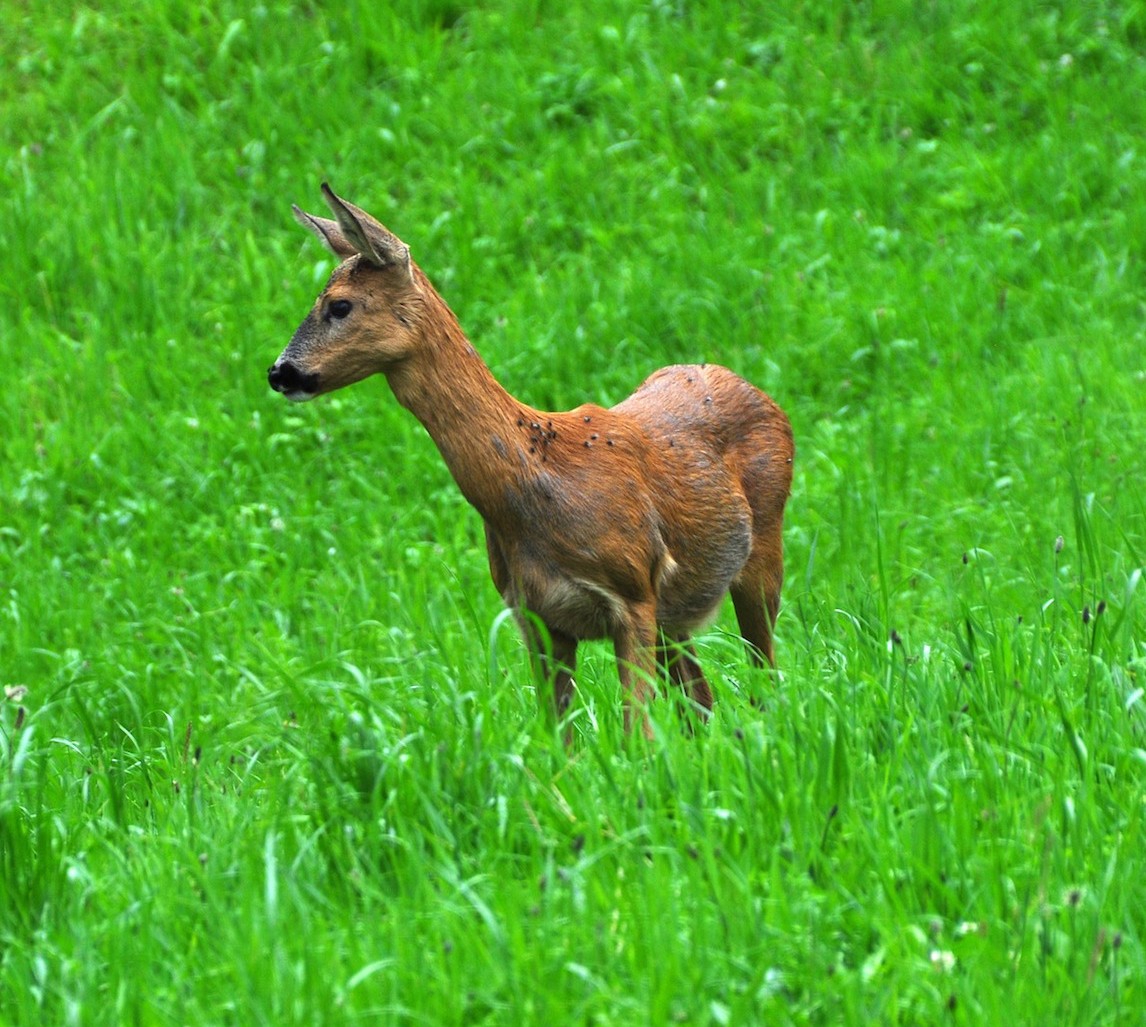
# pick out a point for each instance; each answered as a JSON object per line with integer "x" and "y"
{"x": 269, "y": 748}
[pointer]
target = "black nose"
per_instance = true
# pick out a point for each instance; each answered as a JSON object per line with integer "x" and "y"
{"x": 285, "y": 377}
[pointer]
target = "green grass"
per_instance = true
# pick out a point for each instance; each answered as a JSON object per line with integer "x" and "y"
{"x": 278, "y": 759}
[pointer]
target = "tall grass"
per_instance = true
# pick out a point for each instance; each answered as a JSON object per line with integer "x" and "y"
{"x": 270, "y": 755}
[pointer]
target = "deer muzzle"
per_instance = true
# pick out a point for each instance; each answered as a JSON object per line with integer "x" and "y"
{"x": 292, "y": 381}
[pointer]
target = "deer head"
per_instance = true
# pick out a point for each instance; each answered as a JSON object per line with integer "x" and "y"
{"x": 366, "y": 320}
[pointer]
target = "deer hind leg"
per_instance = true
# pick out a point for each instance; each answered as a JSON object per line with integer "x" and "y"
{"x": 756, "y": 595}
{"x": 677, "y": 660}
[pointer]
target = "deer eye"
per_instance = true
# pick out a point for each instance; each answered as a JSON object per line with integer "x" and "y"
{"x": 339, "y": 308}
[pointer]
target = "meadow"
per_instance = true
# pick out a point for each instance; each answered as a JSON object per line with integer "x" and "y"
{"x": 269, "y": 748}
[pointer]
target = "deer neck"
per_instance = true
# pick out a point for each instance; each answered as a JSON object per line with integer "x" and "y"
{"x": 473, "y": 420}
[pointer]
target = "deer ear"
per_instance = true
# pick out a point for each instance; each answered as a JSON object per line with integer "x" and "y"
{"x": 327, "y": 231}
{"x": 375, "y": 243}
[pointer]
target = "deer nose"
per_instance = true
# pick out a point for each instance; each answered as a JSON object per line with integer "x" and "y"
{"x": 285, "y": 377}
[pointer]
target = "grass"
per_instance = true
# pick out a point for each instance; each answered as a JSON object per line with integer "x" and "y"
{"x": 270, "y": 754}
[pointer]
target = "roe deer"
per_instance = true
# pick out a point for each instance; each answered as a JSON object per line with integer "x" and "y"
{"x": 630, "y": 523}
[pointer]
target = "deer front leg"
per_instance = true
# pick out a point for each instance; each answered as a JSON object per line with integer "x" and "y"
{"x": 554, "y": 658}
{"x": 677, "y": 659}
{"x": 552, "y": 653}
{"x": 634, "y": 644}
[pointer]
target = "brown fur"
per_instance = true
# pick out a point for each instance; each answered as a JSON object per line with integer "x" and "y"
{"x": 630, "y": 523}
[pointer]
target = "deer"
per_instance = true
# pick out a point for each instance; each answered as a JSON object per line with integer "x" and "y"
{"x": 629, "y": 524}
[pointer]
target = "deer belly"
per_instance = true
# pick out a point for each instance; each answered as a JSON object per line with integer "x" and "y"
{"x": 579, "y": 608}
